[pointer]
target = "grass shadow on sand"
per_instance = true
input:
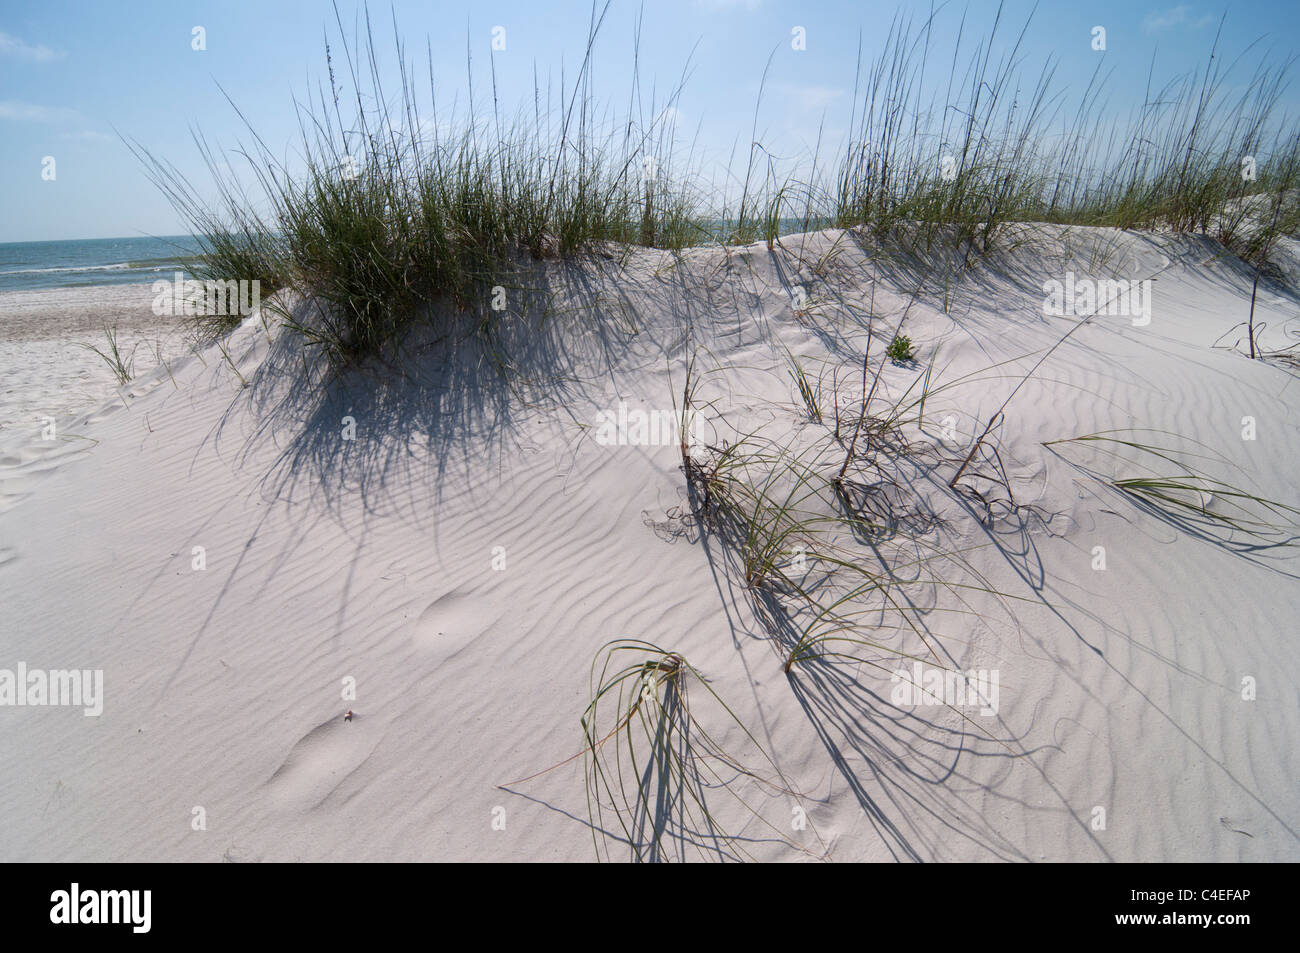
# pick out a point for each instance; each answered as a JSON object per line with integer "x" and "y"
{"x": 400, "y": 431}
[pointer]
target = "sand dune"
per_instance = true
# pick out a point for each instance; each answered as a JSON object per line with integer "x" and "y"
{"x": 467, "y": 555}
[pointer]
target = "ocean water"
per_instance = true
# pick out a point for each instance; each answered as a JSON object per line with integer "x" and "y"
{"x": 26, "y": 266}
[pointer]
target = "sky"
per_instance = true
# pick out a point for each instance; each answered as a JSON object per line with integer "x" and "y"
{"x": 77, "y": 77}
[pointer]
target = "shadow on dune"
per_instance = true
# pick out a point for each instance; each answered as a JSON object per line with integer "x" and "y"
{"x": 670, "y": 816}
{"x": 445, "y": 411}
{"x": 920, "y": 773}
{"x": 1263, "y": 537}
{"x": 440, "y": 411}
{"x": 911, "y": 775}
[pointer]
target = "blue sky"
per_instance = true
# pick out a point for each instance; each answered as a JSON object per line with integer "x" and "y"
{"x": 74, "y": 74}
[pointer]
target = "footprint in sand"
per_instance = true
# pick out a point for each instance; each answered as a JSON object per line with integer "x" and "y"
{"x": 8, "y": 500}
{"x": 451, "y": 622}
{"x": 322, "y": 759}
{"x": 108, "y": 410}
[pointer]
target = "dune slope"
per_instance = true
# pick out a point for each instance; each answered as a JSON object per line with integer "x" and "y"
{"x": 460, "y": 552}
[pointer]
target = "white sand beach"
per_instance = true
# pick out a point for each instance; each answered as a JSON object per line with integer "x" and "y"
{"x": 462, "y": 562}
{"x": 45, "y": 336}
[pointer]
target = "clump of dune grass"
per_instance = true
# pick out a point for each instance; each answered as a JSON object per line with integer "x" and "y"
{"x": 119, "y": 362}
{"x": 809, "y": 392}
{"x": 1187, "y": 494}
{"x": 234, "y": 241}
{"x": 831, "y": 598}
{"x": 999, "y": 146}
{"x": 397, "y": 214}
{"x": 1282, "y": 216}
{"x": 830, "y": 560}
{"x": 827, "y": 535}
{"x": 389, "y": 220}
{"x": 656, "y": 771}
{"x": 759, "y": 503}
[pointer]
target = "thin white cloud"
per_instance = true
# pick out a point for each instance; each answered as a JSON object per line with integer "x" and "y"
{"x": 811, "y": 97}
{"x": 1182, "y": 15}
{"x": 12, "y": 46}
{"x": 30, "y": 112}
{"x": 1158, "y": 20}
{"x": 88, "y": 135}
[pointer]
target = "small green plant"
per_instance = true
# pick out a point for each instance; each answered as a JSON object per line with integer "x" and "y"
{"x": 225, "y": 352}
{"x": 900, "y": 350}
{"x": 122, "y": 365}
{"x": 810, "y": 393}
